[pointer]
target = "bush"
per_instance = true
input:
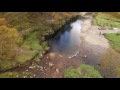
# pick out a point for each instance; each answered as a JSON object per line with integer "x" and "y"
{"x": 110, "y": 64}
{"x": 83, "y": 71}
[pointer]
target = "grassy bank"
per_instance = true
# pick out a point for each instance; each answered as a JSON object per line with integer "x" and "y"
{"x": 114, "y": 40}
{"x": 110, "y": 19}
{"x": 30, "y": 29}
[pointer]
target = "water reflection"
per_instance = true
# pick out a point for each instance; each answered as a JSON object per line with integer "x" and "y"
{"x": 67, "y": 41}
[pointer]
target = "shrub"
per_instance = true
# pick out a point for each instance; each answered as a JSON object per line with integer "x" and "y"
{"x": 83, "y": 71}
{"x": 110, "y": 64}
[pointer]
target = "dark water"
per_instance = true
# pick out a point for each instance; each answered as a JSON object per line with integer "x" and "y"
{"x": 67, "y": 41}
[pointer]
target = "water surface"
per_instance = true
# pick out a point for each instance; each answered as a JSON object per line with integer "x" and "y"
{"x": 67, "y": 41}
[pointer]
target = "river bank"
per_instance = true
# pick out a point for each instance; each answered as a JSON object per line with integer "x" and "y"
{"x": 93, "y": 46}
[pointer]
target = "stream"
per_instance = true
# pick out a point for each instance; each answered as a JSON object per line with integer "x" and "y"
{"x": 67, "y": 40}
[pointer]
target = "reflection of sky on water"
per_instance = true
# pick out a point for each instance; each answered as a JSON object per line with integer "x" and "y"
{"x": 67, "y": 41}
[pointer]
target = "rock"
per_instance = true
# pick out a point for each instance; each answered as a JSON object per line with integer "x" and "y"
{"x": 51, "y": 64}
{"x": 41, "y": 67}
{"x": 60, "y": 56}
{"x": 115, "y": 28}
{"x": 57, "y": 70}
{"x": 17, "y": 76}
{"x": 102, "y": 28}
{"x": 84, "y": 56}
{"x": 52, "y": 54}
{"x": 41, "y": 55}
{"x": 26, "y": 70}
{"x": 34, "y": 75}
{"x": 24, "y": 76}
{"x": 69, "y": 57}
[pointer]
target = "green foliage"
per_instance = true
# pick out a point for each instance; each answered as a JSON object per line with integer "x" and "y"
{"x": 8, "y": 39}
{"x": 31, "y": 42}
{"x": 110, "y": 19}
{"x": 83, "y": 71}
{"x": 114, "y": 39}
{"x": 22, "y": 35}
{"x": 9, "y": 75}
{"x": 10, "y": 54}
{"x": 24, "y": 74}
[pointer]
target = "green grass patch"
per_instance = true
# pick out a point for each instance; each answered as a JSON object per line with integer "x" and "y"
{"x": 110, "y": 19}
{"x": 83, "y": 71}
{"x": 114, "y": 39}
{"x": 31, "y": 42}
{"x": 21, "y": 57}
{"x": 13, "y": 74}
{"x": 9, "y": 75}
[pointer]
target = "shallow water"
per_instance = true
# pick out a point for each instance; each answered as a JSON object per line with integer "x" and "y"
{"x": 67, "y": 41}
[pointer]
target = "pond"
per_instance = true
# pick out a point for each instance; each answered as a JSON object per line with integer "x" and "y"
{"x": 67, "y": 40}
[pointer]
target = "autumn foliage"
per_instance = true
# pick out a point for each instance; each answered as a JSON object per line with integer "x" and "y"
{"x": 110, "y": 64}
{"x": 8, "y": 38}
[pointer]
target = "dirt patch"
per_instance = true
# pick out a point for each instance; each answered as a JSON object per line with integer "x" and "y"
{"x": 58, "y": 64}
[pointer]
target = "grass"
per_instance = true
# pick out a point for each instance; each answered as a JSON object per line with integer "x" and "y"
{"x": 31, "y": 42}
{"x": 24, "y": 74}
{"x": 9, "y": 75}
{"x": 83, "y": 71}
{"x": 110, "y": 19}
{"x": 32, "y": 28}
{"x": 21, "y": 58}
{"x": 114, "y": 39}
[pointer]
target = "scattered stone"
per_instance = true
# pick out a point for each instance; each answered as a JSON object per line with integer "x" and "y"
{"x": 26, "y": 70}
{"x": 51, "y": 64}
{"x": 31, "y": 67}
{"x": 69, "y": 57}
{"x": 24, "y": 76}
{"x": 102, "y": 28}
{"x": 31, "y": 77}
{"x": 41, "y": 55}
{"x": 47, "y": 57}
{"x": 60, "y": 55}
{"x": 41, "y": 67}
{"x": 115, "y": 28}
{"x": 17, "y": 76}
{"x": 34, "y": 75}
{"x": 57, "y": 70}
{"x": 84, "y": 56}
{"x": 52, "y": 54}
